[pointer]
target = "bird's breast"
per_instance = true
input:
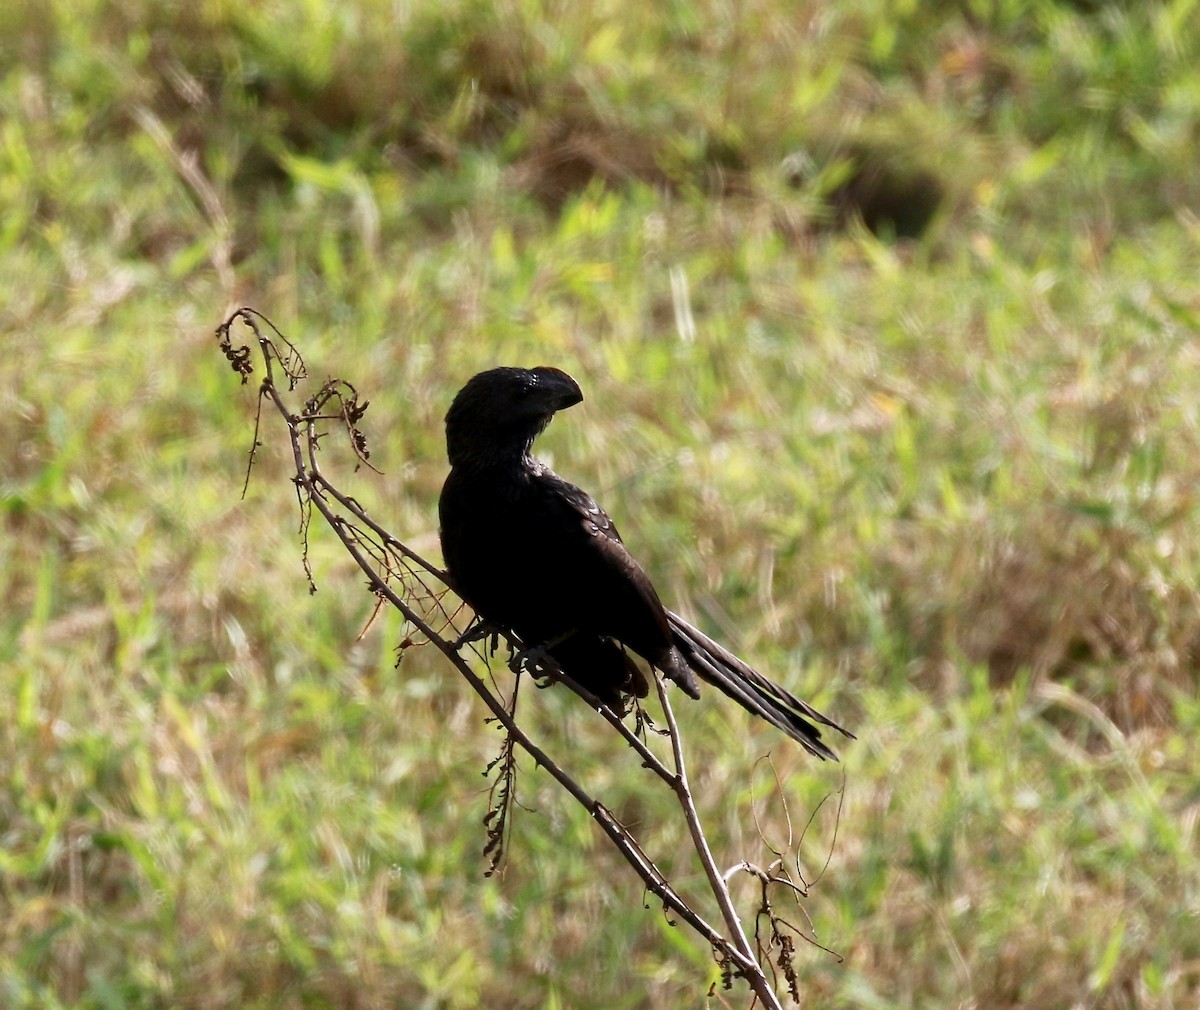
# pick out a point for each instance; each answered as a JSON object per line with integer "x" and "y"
{"x": 499, "y": 552}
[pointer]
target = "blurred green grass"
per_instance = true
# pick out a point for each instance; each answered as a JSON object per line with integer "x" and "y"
{"x": 886, "y": 317}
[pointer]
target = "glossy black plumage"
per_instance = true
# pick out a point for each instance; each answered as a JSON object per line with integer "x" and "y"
{"x": 531, "y": 552}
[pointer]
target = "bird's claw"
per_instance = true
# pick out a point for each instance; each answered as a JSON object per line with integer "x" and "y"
{"x": 530, "y": 659}
{"x": 479, "y": 631}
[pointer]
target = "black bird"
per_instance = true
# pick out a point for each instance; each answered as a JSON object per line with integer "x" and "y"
{"x": 532, "y": 553}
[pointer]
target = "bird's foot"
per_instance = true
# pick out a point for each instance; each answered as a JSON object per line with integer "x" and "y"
{"x": 478, "y": 631}
{"x": 531, "y": 659}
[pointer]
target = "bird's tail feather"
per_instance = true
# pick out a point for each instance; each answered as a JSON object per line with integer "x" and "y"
{"x": 750, "y": 689}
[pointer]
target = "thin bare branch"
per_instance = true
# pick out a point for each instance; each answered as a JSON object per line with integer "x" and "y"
{"x": 758, "y": 981}
{"x": 417, "y": 589}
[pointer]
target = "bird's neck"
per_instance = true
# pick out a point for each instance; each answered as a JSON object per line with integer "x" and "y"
{"x": 507, "y": 456}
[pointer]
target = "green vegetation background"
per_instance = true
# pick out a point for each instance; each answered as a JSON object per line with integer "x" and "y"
{"x": 886, "y": 314}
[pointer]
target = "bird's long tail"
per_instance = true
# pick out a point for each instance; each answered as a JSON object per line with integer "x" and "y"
{"x": 718, "y": 666}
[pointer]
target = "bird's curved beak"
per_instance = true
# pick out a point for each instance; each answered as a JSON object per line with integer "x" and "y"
{"x": 561, "y": 390}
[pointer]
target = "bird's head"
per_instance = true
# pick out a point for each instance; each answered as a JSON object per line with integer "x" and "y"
{"x": 501, "y": 411}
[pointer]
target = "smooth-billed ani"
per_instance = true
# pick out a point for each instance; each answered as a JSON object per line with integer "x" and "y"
{"x": 532, "y": 553}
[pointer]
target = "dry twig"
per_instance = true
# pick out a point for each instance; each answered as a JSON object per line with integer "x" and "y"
{"x": 419, "y": 590}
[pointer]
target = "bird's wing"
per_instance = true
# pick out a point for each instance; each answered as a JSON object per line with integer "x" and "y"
{"x": 575, "y": 501}
{"x": 592, "y": 546}
{"x": 612, "y": 585}
{"x": 626, "y": 594}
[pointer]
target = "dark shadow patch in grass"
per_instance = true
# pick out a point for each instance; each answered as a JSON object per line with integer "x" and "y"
{"x": 893, "y": 200}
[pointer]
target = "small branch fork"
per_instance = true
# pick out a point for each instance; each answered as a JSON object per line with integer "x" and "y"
{"x": 399, "y": 576}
